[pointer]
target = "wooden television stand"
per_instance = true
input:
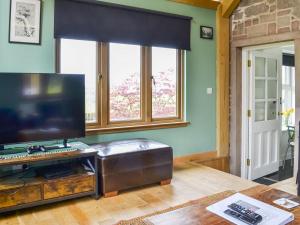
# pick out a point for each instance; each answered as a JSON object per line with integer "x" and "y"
{"x": 23, "y": 191}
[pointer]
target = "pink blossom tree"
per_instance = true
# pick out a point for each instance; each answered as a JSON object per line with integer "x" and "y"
{"x": 125, "y": 99}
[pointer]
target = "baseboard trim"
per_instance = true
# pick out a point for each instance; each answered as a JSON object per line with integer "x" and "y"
{"x": 209, "y": 159}
{"x": 202, "y": 156}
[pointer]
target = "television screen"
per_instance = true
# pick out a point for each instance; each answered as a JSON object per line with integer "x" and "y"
{"x": 40, "y": 107}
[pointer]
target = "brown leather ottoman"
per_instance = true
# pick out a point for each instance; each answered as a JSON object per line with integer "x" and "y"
{"x": 133, "y": 163}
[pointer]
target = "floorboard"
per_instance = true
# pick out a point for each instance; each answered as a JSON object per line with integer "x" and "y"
{"x": 191, "y": 181}
{"x": 288, "y": 185}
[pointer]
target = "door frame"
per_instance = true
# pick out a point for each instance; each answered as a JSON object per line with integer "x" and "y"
{"x": 236, "y": 90}
{"x": 245, "y": 118}
{"x": 246, "y": 72}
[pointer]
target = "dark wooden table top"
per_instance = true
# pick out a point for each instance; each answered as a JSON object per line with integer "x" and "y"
{"x": 197, "y": 214}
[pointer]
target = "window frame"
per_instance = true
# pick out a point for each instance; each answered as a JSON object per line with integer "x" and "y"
{"x": 289, "y": 88}
{"x": 146, "y": 122}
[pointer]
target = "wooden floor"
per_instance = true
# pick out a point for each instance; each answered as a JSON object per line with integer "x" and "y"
{"x": 191, "y": 181}
{"x": 288, "y": 185}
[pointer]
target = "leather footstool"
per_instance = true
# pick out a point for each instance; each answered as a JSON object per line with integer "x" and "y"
{"x": 133, "y": 163}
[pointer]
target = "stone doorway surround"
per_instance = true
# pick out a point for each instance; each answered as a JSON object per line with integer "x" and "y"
{"x": 254, "y": 18}
{"x": 236, "y": 93}
{"x": 259, "y": 22}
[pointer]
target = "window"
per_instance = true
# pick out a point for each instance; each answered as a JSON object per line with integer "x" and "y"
{"x": 124, "y": 82}
{"x": 288, "y": 94}
{"x": 164, "y": 87}
{"x": 80, "y": 57}
{"x": 127, "y": 86}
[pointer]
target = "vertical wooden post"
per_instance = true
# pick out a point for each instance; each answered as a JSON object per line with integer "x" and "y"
{"x": 228, "y": 6}
{"x": 222, "y": 30}
{"x": 297, "y": 106}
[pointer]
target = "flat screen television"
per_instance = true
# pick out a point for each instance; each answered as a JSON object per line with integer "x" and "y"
{"x": 41, "y": 107}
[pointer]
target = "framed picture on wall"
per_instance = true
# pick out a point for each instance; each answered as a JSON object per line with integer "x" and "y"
{"x": 206, "y": 32}
{"x": 25, "y": 21}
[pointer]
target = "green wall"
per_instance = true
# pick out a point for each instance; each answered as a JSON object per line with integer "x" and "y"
{"x": 200, "y": 73}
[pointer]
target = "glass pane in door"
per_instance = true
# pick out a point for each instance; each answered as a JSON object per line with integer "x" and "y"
{"x": 260, "y": 89}
{"x": 260, "y": 70}
{"x": 259, "y": 111}
{"x": 272, "y": 110}
{"x": 272, "y": 68}
{"x": 272, "y": 89}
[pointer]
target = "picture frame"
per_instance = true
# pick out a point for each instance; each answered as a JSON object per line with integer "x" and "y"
{"x": 207, "y": 32}
{"x": 25, "y": 21}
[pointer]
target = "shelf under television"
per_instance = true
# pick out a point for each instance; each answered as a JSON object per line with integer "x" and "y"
{"x": 25, "y": 189}
{"x": 14, "y": 181}
{"x": 40, "y": 156}
{"x": 23, "y": 193}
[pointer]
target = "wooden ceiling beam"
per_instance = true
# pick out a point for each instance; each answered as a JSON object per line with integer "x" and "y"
{"x": 228, "y": 6}
{"x": 208, "y": 4}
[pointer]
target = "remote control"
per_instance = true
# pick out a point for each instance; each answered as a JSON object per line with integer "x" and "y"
{"x": 42, "y": 148}
{"x": 240, "y": 217}
{"x": 246, "y": 213}
{"x": 33, "y": 149}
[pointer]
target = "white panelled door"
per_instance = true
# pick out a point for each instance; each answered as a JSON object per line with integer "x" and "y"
{"x": 265, "y": 118}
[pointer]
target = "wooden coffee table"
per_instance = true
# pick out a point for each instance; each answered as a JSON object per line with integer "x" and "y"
{"x": 198, "y": 215}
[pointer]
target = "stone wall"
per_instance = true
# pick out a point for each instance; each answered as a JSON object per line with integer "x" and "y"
{"x": 254, "y": 18}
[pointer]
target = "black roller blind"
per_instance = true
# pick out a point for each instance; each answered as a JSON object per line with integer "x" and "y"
{"x": 105, "y": 22}
{"x": 288, "y": 60}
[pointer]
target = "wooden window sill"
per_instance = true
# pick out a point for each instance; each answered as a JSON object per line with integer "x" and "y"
{"x": 140, "y": 127}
